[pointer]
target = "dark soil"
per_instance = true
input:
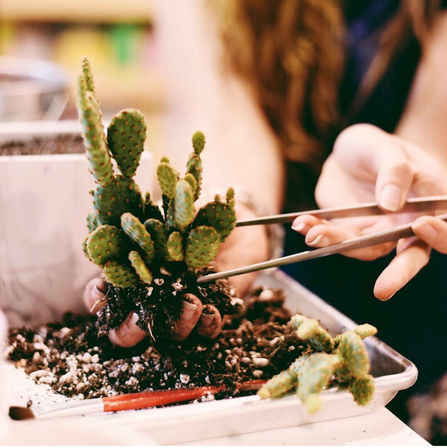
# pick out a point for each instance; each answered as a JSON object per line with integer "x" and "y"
{"x": 75, "y": 361}
{"x": 158, "y": 305}
{"x": 61, "y": 144}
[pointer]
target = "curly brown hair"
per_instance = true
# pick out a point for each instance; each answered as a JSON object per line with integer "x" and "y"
{"x": 292, "y": 53}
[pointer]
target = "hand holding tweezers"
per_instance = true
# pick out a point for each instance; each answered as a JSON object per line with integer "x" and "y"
{"x": 428, "y": 204}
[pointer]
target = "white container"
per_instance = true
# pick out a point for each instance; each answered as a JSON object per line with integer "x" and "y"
{"x": 44, "y": 202}
{"x": 193, "y": 422}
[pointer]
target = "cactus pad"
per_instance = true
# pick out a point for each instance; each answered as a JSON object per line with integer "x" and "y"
{"x": 353, "y": 353}
{"x": 140, "y": 268}
{"x": 365, "y": 330}
{"x": 362, "y": 389}
{"x": 202, "y": 245}
{"x": 314, "y": 375}
{"x": 87, "y": 74}
{"x": 184, "y": 204}
{"x": 198, "y": 142}
{"x": 311, "y": 331}
{"x": 121, "y": 275}
{"x": 159, "y": 235}
{"x": 194, "y": 167}
{"x": 281, "y": 383}
{"x": 219, "y": 215}
{"x": 105, "y": 243}
{"x": 192, "y": 181}
{"x": 175, "y": 246}
{"x": 126, "y": 135}
{"x": 167, "y": 178}
{"x": 136, "y": 231}
{"x": 120, "y": 196}
{"x": 94, "y": 138}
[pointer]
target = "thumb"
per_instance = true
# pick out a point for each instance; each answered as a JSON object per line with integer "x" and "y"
{"x": 393, "y": 171}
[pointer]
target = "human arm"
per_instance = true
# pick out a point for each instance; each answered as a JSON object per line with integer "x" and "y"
{"x": 202, "y": 93}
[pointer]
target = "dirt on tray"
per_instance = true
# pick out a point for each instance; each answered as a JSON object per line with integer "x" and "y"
{"x": 75, "y": 361}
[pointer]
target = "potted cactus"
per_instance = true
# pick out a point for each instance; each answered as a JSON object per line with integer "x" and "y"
{"x": 151, "y": 255}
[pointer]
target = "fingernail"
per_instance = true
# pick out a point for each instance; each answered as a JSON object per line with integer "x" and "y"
{"x": 389, "y": 297}
{"x": 320, "y": 240}
{"x": 390, "y": 197}
{"x": 426, "y": 231}
{"x": 97, "y": 293}
{"x": 134, "y": 318}
{"x": 298, "y": 226}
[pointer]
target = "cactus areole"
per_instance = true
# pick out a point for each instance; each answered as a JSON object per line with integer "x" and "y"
{"x": 151, "y": 256}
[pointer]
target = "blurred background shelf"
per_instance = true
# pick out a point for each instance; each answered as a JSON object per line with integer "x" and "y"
{"x": 116, "y": 35}
{"x": 82, "y": 11}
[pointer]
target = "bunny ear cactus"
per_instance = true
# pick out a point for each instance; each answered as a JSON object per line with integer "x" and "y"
{"x": 131, "y": 238}
{"x": 342, "y": 360}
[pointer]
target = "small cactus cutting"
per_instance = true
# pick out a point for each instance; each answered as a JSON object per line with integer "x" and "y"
{"x": 342, "y": 361}
{"x": 131, "y": 238}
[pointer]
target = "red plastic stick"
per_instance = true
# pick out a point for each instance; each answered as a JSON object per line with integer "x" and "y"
{"x": 150, "y": 399}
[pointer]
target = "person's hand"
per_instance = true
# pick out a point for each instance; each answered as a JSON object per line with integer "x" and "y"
{"x": 369, "y": 164}
{"x": 205, "y": 318}
{"x": 244, "y": 246}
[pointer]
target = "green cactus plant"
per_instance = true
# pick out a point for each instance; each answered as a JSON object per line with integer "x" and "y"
{"x": 131, "y": 237}
{"x": 343, "y": 361}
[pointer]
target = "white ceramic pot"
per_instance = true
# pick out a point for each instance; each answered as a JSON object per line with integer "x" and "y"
{"x": 44, "y": 202}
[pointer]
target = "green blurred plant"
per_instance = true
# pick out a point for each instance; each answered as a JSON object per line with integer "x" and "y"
{"x": 130, "y": 236}
{"x": 342, "y": 361}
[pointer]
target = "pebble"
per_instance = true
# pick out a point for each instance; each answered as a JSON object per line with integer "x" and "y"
{"x": 37, "y": 338}
{"x": 261, "y": 362}
{"x": 184, "y": 378}
{"x": 177, "y": 286}
{"x": 266, "y": 294}
{"x": 132, "y": 381}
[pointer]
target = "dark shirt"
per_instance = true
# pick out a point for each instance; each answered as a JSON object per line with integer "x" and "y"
{"x": 414, "y": 321}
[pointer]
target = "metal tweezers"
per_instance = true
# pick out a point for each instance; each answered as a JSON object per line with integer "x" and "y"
{"x": 433, "y": 204}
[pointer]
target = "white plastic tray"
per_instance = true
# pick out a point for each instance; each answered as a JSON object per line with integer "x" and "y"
{"x": 192, "y": 422}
